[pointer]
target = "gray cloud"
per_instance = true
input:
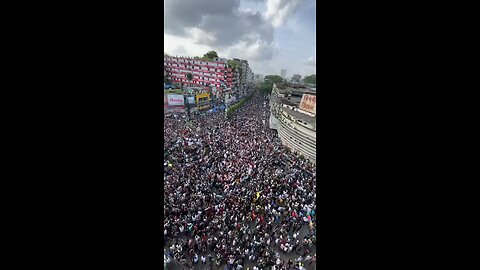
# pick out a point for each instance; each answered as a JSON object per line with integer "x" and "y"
{"x": 228, "y": 30}
{"x": 278, "y": 11}
{"x": 221, "y": 25}
{"x": 259, "y": 51}
{"x": 183, "y": 14}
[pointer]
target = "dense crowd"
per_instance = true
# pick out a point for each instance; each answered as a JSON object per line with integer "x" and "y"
{"x": 234, "y": 196}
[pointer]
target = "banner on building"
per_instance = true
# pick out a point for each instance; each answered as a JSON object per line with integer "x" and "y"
{"x": 309, "y": 103}
{"x": 191, "y": 100}
{"x": 174, "y": 109}
{"x": 175, "y": 100}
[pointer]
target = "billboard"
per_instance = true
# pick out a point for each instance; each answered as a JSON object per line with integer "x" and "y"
{"x": 175, "y": 100}
{"x": 203, "y": 100}
{"x": 309, "y": 103}
{"x": 203, "y": 97}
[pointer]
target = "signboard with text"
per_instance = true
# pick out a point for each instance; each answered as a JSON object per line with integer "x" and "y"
{"x": 309, "y": 103}
{"x": 175, "y": 100}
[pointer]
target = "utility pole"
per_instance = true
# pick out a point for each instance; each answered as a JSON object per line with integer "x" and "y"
{"x": 188, "y": 108}
{"x": 186, "y": 99}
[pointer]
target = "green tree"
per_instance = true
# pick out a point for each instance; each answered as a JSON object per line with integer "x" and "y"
{"x": 233, "y": 64}
{"x": 311, "y": 79}
{"x": 210, "y": 55}
{"x": 296, "y": 77}
{"x": 273, "y": 79}
{"x": 266, "y": 86}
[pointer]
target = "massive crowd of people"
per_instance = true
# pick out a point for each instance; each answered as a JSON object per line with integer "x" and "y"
{"x": 235, "y": 198}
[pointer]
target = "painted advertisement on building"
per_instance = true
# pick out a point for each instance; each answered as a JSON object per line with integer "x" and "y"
{"x": 175, "y": 100}
{"x": 309, "y": 103}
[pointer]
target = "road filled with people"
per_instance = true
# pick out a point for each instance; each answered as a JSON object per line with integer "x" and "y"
{"x": 235, "y": 197}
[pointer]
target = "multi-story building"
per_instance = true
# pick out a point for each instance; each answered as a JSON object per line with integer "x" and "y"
{"x": 204, "y": 73}
{"x": 242, "y": 77}
{"x": 293, "y": 115}
{"x": 283, "y": 73}
{"x": 250, "y": 77}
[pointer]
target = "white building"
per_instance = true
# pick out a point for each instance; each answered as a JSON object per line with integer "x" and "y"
{"x": 296, "y": 128}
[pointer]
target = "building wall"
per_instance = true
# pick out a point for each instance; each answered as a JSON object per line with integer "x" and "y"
{"x": 294, "y": 134}
{"x": 204, "y": 72}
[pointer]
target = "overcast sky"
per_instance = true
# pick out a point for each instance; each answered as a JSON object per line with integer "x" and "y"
{"x": 270, "y": 34}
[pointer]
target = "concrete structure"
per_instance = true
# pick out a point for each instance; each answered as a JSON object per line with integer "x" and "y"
{"x": 296, "y": 128}
{"x": 204, "y": 73}
{"x": 296, "y": 77}
{"x": 242, "y": 77}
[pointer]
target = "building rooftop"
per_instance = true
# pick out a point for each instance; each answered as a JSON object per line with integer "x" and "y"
{"x": 309, "y": 119}
{"x": 285, "y": 88}
{"x": 292, "y": 101}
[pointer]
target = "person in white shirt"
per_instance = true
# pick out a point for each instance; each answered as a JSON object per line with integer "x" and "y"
{"x": 195, "y": 259}
{"x": 204, "y": 260}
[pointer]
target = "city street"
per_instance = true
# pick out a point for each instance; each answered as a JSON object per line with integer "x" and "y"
{"x": 225, "y": 171}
